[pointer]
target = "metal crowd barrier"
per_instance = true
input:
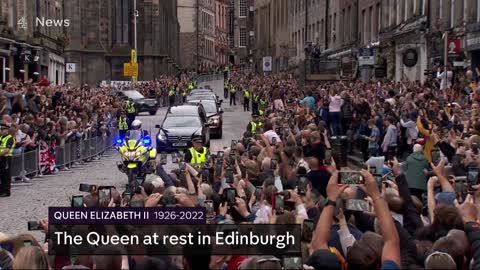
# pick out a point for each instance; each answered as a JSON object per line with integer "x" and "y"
{"x": 27, "y": 163}
{"x": 210, "y": 77}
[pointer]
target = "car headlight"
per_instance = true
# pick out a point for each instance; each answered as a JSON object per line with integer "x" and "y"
{"x": 162, "y": 136}
{"x": 214, "y": 120}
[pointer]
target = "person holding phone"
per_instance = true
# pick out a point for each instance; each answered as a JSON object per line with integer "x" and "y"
{"x": 270, "y": 134}
{"x": 446, "y": 196}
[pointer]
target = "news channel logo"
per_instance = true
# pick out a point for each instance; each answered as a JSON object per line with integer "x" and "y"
{"x": 43, "y": 22}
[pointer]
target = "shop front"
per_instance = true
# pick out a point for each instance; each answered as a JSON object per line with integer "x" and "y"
{"x": 56, "y": 69}
{"x": 3, "y": 68}
{"x": 472, "y": 46}
{"x": 7, "y": 53}
{"x": 411, "y": 58}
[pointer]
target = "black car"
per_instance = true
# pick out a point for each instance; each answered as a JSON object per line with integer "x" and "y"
{"x": 181, "y": 123}
{"x": 214, "y": 115}
{"x": 204, "y": 95}
{"x": 200, "y": 90}
{"x": 142, "y": 104}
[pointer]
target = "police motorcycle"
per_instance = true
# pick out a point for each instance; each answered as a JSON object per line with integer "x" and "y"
{"x": 138, "y": 155}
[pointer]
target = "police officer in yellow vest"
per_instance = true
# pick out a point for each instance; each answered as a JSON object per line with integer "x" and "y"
{"x": 254, "y": 125}
{"x": 122, "y": 125}
{"x": 197, "y": 154}
{"x": 184, "y": 95}
{"x": 246, "y": 100}
{"x": 190, "y": 86}
{"x": 262, "y": 106}
{"x": 7, "y": 144}
{"x": 255, "y": 101}
{"x": 171, "y": 96}
{"x": 131, "y": 112}
{"x": 226, "y": 86}
{"x": 233, "y": 94}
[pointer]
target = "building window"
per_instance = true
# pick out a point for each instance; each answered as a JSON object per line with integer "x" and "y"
{"x": 334, "y": 21}
{"x": 452, "y": 13}
{"x": 243, "y": 37}
{"x": 343, "y": 33}
{"x": 363, "y": 26}
{"x": 379, "y": 20}
{"x": 393, "y": 16}
{"x": 440, "y": 9}
{"x": 478, "y": 10}
{"x": 348, "y": 25}
{"x": 370, "y": 24}
{"x": 243, "y": 8}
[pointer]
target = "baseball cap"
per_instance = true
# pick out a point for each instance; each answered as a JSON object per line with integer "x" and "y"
{"x": 446, "y": 198}
{"x": 197, "y": 139}
{"x": 323, "y": 259}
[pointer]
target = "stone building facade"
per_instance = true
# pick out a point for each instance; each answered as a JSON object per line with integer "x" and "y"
{"x": 221, "y": 32}
{"x": 402, "y": 48}
{"x": 241, "y": 32}
{"x": 472, "y": 37}
{"x": 197, "y": 33}
{"x": 273, "y": 39}
{"x": 332, "y": 26}
{"x": 31, "y": 45}
{"x": 406, "y": 36}
{"x": 101, "y": 37}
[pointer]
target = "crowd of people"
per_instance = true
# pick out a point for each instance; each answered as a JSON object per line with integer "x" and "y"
{"x": 43, "y": 118}
{"x": 412, "y": 205}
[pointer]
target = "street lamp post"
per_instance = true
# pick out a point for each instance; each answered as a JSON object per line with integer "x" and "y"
{"x": 198, "y": 33}
{"x": 135, "y": 15}
{"x": 444, "y": 86}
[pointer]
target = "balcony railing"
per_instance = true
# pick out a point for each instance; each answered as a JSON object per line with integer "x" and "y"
{"x": 322, "y": 70}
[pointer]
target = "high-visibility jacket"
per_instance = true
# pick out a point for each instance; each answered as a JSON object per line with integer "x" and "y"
{"x": 247, "y": 93}
{"x": 197, "y": 157}
{"x": 263, "y": 102}
{"x": 3, "y": 144}
{"x": 171, "y": 92}
{"x": 190, "y": 86}
{"x": 260, "y": 112}
{"x": 122, "y": 123}
{"x": 254, "y": 126}
{"x": 225, "y": 84}
{"x": 184, "y": 93}
{"x": 255, "y": 98}
{"x": 233, "y": 90}
{"x": 130, "y": 107}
